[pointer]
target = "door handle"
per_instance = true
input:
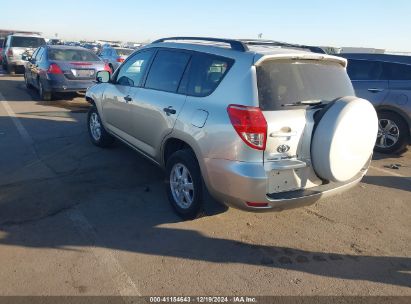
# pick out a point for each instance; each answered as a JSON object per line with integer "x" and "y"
{"x": 375, "y": 90}
{"x": 128, "y": 98}
{"x": 169, "y": 110}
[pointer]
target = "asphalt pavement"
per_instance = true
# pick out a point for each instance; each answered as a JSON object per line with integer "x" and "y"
{"x": 79, "y": 220}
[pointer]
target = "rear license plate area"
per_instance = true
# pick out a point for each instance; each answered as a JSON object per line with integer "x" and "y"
{"x": 83, "y": 73}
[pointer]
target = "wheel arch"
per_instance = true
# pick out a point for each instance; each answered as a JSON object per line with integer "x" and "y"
{"x": 174, "y": 143}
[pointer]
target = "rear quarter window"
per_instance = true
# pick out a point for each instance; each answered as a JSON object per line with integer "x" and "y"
{"x": 205, "y": 74}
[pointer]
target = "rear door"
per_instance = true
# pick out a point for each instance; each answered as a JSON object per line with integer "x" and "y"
{"x": 116, "y": 97}
{"x": 369, "y": 80}
{"x": 156, "y": 106}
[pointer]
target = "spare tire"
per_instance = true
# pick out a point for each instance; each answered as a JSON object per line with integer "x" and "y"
{"x": 344, "y": 139}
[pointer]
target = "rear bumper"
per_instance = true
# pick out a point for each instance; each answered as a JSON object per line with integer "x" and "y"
{"x": 65, "y": 85}
{"x": 236, "y": 183}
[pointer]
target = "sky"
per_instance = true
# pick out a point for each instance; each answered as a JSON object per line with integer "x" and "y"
{"x": 362, "y": 23}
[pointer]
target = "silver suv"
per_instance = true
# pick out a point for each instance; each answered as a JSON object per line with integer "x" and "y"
{"x": 260, "y": 127}
{"x": 15, "y": 46}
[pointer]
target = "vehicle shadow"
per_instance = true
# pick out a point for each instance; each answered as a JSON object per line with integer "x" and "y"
{"x": 70, "y": 100}
{"x": 122, "y": 196}
{"x": 397, "y": 182}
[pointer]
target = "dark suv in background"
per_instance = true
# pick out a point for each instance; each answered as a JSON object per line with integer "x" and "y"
{"x": 385, "y": 80}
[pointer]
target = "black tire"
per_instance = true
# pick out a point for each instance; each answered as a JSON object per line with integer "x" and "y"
{"x": 44, "y": 95}
{"x": 189, "y": 161}
{"x": 105, "y": 139}
{"x": 403, "y": 129}
{"x": 27, "y": 83}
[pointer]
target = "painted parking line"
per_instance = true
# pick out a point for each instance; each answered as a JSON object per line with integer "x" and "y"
{"x": 121, "y": 280}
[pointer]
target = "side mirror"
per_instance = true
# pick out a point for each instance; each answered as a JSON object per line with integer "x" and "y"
{"x": 103, "y": 76}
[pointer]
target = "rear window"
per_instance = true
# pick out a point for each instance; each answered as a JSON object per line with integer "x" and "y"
{"x": 283, "y": 83}
{"x": 71, "y": 55}
{"x": 123, "y": 52}
{"x": 27, "y": 42}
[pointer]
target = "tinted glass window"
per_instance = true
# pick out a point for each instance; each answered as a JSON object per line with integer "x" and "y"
{"x": 365, "y": 70}
{"x": 206, "y": 73}
{"x": 27, "y": 42}
{"x": 283, "y": 83}
{"x": 131, "y": 73}
{"x": 396, "y": 71}
{"x": 1, "y": 43}
{"x": 72, "y": 55}
{"x": 166, "y": 71}
{"x": 39, "y": 54}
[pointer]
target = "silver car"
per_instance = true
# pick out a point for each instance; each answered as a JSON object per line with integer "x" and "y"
{"x": 114, "y": 56}
{"x": 260, "y": 127}
{"x": 17, "y": 45}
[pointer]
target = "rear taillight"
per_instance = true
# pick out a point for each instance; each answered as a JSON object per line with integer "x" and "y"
{"x": 120, "y": 59}
{"x": 54, "y": 69}
{"x": 250, "y": 124}
{"x": 10, "y": 53}
{"x": 107, "y": 68}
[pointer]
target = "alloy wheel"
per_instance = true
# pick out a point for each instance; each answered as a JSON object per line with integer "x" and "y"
{"x": 95, "y": 126}
{"x": 388, "y": 133}
{"x": 182, "y": 187}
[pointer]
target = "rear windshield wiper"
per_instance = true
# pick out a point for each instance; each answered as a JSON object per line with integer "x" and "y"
{"x": 303, "y": 103}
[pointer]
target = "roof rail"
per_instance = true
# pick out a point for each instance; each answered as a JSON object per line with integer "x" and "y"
{"x": 314, "y": 49}
{"x": 236, "y": 45}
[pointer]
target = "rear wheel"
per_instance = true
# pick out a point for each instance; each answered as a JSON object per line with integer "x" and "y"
{"x": 44, "y": 95}
{"x": 98, "y": 134}
{"x": 393, "y": 133}
{"x": 184, "y": 184}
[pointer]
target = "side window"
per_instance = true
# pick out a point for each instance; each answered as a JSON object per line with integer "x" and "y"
{"x": 167, "y": 70}
{"x": 365, "y": 70}
{"x": 206, "y": 73}
{"x": 35, "y": 54}
{"x": 131, "y": 73}
{"x": 396, "y": 71}
{"x": 39, "y": 54}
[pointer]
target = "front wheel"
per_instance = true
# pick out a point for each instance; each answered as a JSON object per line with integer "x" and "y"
{"x": 184, "y": 184}
{"x": 98, "y": 134}
{"x": 393, "y": 133}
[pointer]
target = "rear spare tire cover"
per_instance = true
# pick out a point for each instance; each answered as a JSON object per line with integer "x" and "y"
{"x": 344, "y": 139}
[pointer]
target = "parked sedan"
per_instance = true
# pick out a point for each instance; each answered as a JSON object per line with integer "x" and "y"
{"x": 114, "y": 56}
{"x": 55, "y": 68}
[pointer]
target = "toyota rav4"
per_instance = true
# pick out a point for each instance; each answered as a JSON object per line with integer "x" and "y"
{"x": 261, "y": 127}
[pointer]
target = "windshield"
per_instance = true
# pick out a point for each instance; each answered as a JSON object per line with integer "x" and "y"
{"x": 282, "y": 83}
{"x": 124, "y": 52}
{"x": 72, "y": 55}
{"x": 27, "y": 42}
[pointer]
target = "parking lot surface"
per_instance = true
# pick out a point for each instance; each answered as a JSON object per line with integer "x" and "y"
{"x": 79, "y": 220}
